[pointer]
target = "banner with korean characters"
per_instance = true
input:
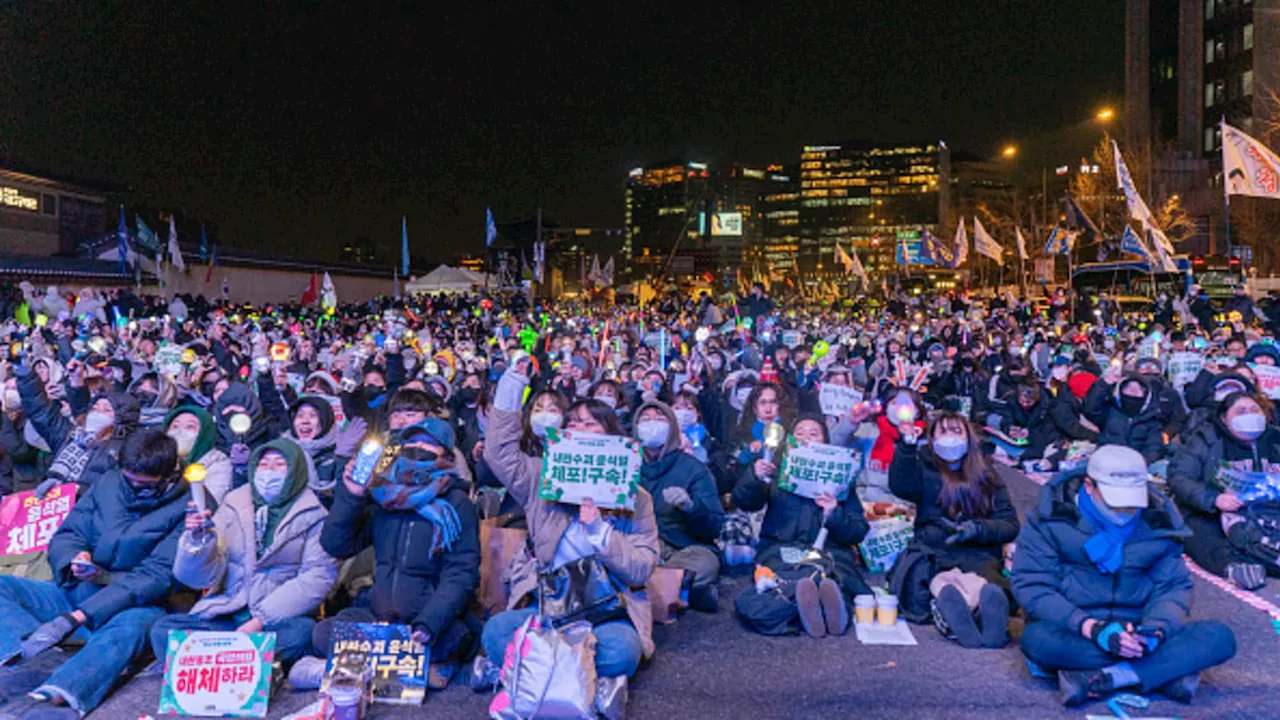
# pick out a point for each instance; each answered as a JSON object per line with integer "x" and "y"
{"x": 884, "y": 541}
{"x": 1184, "y": 367}
{"x": 380, "y": 656}
{"x": 1268, "y": 380}
{"x": 581, "y": 465}
{"x": 28, "y": 523}
{"x": 810, "y": 469}
{"x": 217, "y": 674}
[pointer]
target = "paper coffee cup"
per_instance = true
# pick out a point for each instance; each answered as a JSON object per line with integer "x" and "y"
{"x": 887, "y": 610}
{"x": 864, "y": 609}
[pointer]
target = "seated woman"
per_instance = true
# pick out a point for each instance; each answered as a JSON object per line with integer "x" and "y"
{"x": 685, "y": 502}
{"x": 261, "y": 560}
{"x": 625, "y": 543}
{"x": 196, "y": 432}
{"x": 964, "y": 515}
{"x": 1238, "y": 438}
{"x": 824, "y": 581}
{"x": 328, "y": 448}
{"x": 1030, "y": 419}
{"x": 546, "y": 410}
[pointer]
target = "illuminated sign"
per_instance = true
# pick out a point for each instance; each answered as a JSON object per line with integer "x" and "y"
{"x": 749, "y": 172}
{"x": 726, "y": 224}
{"x": 13, "y": 197}
{"x": 698, "y": 165}
{"x": 636, "y": 172}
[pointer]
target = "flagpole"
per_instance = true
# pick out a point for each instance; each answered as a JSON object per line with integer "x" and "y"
{"x": 1226, "y": 194}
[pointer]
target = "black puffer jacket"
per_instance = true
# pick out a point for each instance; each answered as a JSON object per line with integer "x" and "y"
{"x": 1193, "y": 472}
{"x": 1065, "y": 411}
{"x": 1036, "y": 420}
{"x": 1142, "y": 432}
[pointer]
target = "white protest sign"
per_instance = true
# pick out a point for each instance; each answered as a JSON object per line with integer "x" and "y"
{"x": 217, "y": 674}
{"x": 580, "y": 465}
{"x": 1149, "y": 348}
{"x": 838, "y": 400}
{"x": 791, "y": 338}
{"x": 1184, "y": 367}
{"x": 1268, "y": 380}
{"x": 811, "y": 469}
{"x": 168, "y": 360}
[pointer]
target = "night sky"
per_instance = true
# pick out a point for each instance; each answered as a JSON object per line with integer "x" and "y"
{"x": 300, "y": 129}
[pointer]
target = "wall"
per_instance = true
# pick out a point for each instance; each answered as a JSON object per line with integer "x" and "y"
{"x": 258, "y": 285}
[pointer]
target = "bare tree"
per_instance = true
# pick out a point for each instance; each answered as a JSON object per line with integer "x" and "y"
{"x": 1099, "y": 198}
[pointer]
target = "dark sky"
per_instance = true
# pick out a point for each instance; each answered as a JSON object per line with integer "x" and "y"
{"x": 299, "y": 129}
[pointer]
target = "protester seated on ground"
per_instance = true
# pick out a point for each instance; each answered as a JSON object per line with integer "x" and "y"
{"x": 1030, "y": 420}
{"x": 1209, "y": 477}
{"x": 625, "y": 544}
{"x": 814, "y": 595}
{"x": 416, "y": 514}
{"x": 112, "y": 561}
{"x": 999, "y": 395}
{"x": 1227, "y": 361}
{"x": 239, "y": 399}
{"x": 685, "y": 503}
{"x": 26, "y": 466}
{"x": 196, "y": 432}
{"x": 328, "y": 447}
{"x": 964, "y": 517}
{"x": 1069, "y": 388}
{"x": 960, "y": 388}
{"x": 1099, "y": 571}
{"x": 767, "y": 403}
{"x": 1172, "y": 413}
{"x": 86, "y": 450}
{"x": 156, "y": 395}
{"x": 260, "y": 563}
{"x": 1127, "y": 412}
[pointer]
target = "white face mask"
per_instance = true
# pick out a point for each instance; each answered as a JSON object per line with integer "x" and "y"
{"x": 186, "y": 440}
{"x": 609, "y": 400}
{"x": 1250, "y": 426}
{"x": 1060, "y": 372}
{"x": 739, "y": 399}
{"x": 269, "y": 484}
{"x": 950, "y": 447}
{"x": 12, "y": 400}
{"x": 1109, "y": 344}
{"x": 653, "y": 433}
{"x": 686, "y": 417}
{"x": 540, "y": 421}
{"x": 95, "y": 421}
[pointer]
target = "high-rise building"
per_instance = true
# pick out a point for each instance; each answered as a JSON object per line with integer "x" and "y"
{"x": 869, "y": 197}
{"x": 662, "y": 204}
{"x": 780, "y": 228}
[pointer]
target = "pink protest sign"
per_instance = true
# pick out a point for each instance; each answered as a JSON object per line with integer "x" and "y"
{"x": 27, "y": 523}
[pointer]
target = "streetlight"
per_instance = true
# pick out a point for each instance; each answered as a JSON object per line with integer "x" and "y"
{"x": 1105, "y": 114}
{"x": 1009, "y": 151}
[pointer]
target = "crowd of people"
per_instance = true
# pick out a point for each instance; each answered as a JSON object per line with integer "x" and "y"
{"x": 264, "y": 411}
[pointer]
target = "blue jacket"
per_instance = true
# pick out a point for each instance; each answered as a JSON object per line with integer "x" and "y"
{"x": 1056, "y": 582}
{"x": 132, "y": 539}
{"x": 679, "y": 529}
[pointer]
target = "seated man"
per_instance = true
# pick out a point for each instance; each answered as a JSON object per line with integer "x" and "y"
{"x": 1099, "y": 572}
{"x": 112, "y": 563}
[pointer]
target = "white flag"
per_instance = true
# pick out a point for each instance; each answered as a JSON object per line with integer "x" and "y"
{"x": 1160, "y": 241}
{"x": 608, "y": 271}
{"x": 984, "y": 243}
{"x": 962, "y": 246}
{"x": 175, "y": 253}
{"x": 1022, "y": 244}
{"x": 857, "y": 269}
{"x": 1138, "y": 209}
{"x": 1248, "y": 167}
{"x": 843, "y": 258}
{"x": 595, "y": 271}
{"x": 328, "y": 295}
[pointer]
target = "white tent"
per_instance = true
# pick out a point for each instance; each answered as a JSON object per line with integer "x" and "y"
{"x": 445, "y": 279}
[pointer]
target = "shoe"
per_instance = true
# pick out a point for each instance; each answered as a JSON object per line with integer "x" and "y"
{"x": 307, "y": 673}
{"x": 440, "y": 674}
{"x": 1182, "y": 689}
{"x": 958, "y": 617}
{"x": 1078, "y": 686}
{"x": 810, "y": 608}
{"x": 833, "y": 607}
{"x": 993, "y": 612}
{"x": 705, "y": 598}
{"x": 485, "y": 675}
{"x": 1247, "y": 576}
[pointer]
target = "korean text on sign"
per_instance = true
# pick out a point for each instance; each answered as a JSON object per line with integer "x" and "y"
{"x": 27, "y": 523}
{"x": 812, "y": 469}
{"x": 579, "y": 466}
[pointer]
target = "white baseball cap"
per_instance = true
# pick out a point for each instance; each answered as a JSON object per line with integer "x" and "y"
{"x": 1121, "y": 476}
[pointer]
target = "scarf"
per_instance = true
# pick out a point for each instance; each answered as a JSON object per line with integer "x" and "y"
{"x": 73, "y": 457}
{"x": 207, "y": 436}
{"x": 412, "y": 485}
{"x": 1106, "y": 547}
{"x": 267, "y": 516}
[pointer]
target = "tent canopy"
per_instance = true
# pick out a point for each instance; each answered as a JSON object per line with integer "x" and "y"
{"x": 445, "y": 279}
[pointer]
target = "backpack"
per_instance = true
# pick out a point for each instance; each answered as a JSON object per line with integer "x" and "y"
{"x": 909, "y": 580}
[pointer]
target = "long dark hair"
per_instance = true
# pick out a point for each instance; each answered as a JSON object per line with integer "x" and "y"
{"x": 786, "y": 411}
{"x": 531, "y": 444}
{"x": 970, "y": 490}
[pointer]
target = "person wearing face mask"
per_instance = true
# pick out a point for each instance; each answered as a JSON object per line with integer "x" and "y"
{"x": 1099, "y": 572}
{"x": 995, "y": 403}
{"x": 112, "y": 561}
{"x": 1170, "y": 409}
{"x": 1069, "y": 387}
{"x": 1127, "y": 412}
{"x": 685, "y": 501}
{"x": 964, "y": 516}
{"x": 1029, "y": 420}
{"x": 1205, "y": 477}
{"x": 609, "y": 393}
{"x": 236, "y": 399}
{"x": 27, "y": 465}
{"x": 961, "y": 387}
{"x": 261, "y": 560}
{"x": 156, "y": 396}
{"x": 196, "y": 432}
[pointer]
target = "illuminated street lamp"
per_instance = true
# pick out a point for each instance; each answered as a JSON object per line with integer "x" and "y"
{"x": 1105, "y": 114}
{"x": 1009, "y": 151}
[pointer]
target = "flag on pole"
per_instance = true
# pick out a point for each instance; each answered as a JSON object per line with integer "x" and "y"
{"x": 861, "y": 272}
{"x": 843, "y": 258}
{"x": 213, "y": 262}
{"x": 1163, "y": 247}
{"x": 1132, "y": 244}
{"x": 608, "y": 272}
{"x": 146, "y": 236}
{"x": 1077, "y": 219}
{"x": 204, "y": 245}
{"x": 1060, "y": 241}
{"x": 404, "y": 245}
{"x": 122, "y": 238}
{"x": 595, "y": 275}
{"x": 935, "y": 250}
{"x": 962, "y": 246}
{"x": 312, "y": 292}
{"x": 1138, "y": 209}
{"x": 490, "y": 228}
{"x": 984, "y": 244}
{"x": 1248, "y": 166}
{"x": 1022, "y": 243}
{"x": 328, "y": 294}
{"x": 175, "y": 253}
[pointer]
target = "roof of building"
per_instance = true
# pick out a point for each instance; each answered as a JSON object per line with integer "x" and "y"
{"x": 50, "y": 266}
{"x": 83, "y": 186}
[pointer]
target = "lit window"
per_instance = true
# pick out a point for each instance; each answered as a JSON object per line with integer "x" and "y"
{"x": 1208, "y": 95}
{"x": 1208, "y": 52}
{"x": 1246, "y": 83}
{"x": 1208, "y": 139}
{"x": 1248, "y": 37}
{"x": 1208, "y": 9}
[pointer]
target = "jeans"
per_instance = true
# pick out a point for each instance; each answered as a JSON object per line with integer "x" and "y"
{"x": 86, "y": 677}
{"x": 618, "y": 647}
{"x": 1190, "y": 649}
{"x": 455, "y": 645}
{"x": 293, "y": 635}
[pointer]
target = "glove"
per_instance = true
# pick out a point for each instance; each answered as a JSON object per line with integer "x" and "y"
{"x": 678, "y": 497}
{"x": 1107, "y": 636}
{"x": 349, "y": 437}
{"x": 509, "y": 395}
{"x": 43, "y": 488}
{"x": 239, "y": 455}
{"x": 964, "y": 532}
{"x": 48, "y": 635}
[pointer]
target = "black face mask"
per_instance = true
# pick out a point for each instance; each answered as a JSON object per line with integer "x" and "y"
{"x": 146, "y": 398}
{"x": 1131, "y": 405}
{"x": 147, "y": 491}
{"x": 468, "y": 395}
{"x": 373, "y": 392}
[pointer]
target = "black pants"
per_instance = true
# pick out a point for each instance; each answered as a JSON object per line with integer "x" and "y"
{"x": 456, "y": 644}
{"x": 1207, "y": 545}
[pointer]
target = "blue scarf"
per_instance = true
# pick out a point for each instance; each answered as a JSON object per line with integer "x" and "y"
{"x": 423, "y": 498}
{"x": 1106, "y": 547}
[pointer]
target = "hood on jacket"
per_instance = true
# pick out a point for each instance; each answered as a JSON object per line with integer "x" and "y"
{"x": 207, "y": 436}
{"x": 126, "y": 410}
{"x": 1260, "y": 350}
{"x": 1148, "y": 394}
{"x": 673, "y": 426}
{"x": 322, "y": 408}
{"x": 294, "y": 458}
{"x": 1058, "y": 501}
{"x": 325, "y": 378}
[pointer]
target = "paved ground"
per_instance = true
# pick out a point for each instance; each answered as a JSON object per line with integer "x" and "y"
{"x": 709, "y": 667}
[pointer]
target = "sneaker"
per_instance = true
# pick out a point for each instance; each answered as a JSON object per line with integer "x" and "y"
{"x": 440, "y": 674}
{"x": 810, "y": 608}
{"x": 1078, "y": 686}
{"x": 958, "y": 617}
{"x": 1248, "y": 576}
{"x": 705, "y": 598}
{"x": 833, "y": 608}
{"x": 993, "y": 611}
{"x": 1182, "y": 689}
{"x": 307, "y": 673}
{"x": 484, "y": 674}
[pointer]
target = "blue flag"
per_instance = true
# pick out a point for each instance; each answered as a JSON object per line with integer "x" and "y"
{"x": 204, "y": 244}
{"x": 490, "y": 228}
{"x": 122, "y": 236}
{"x": 1077, "y": 219}
{"x": 1131, "y": 243}
{"x": 1059, "y": 242}
{"x": 404, "y": 245}
{"x": 146, "y": 236}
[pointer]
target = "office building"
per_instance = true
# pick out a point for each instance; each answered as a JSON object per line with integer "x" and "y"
{"x": 45, "y": 216}
{"x": 662, "y": 204}
{"x": 776, "y": 256}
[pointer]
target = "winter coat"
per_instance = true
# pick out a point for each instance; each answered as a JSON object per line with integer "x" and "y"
{"x": 675, "y": 468}
{"x": 1142, "y": 432}
{"x": 1204, "y": 451}
{"x": 290, "y": 579}
{"x": 793, "y": 520}
{"x": 1000, "y": 392}
{"x": 914, "y": 477}
{"x": 1065, "y": 411}
{"x": 1037, "y": 421}
{"x": 26, "y": 467}
{"x": 1055, "y": 581}
{"x": 410, "y": 584}
{"x": 632, "y": 550}
{"x": 132, "y": 539}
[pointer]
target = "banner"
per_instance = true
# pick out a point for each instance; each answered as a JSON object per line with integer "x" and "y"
{"x": 27, "y": 523}
{"x": 168, "y": 360}
{"x": 1248, "y": 166}
{"x": 397, "y": 663}
{"x": 811, "y": 469}
{"x": 961, "y": 246}
{"x": 791, "y": 338}
{"x": 217, "y": 674}
{"x": 1268, "y": 380}
{"x": 838, "y": 400}
{"x": 580, "y": 465}
{"x": 1044, "y": 270}
{"x": 1184, "y": 367}
{"x": 885, "y": 541}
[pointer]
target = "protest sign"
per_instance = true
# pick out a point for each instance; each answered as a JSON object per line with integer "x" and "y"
{"x": 811, "y": 469}
{"x": 1250, "y": 485}
{"x": 884, "y": 541}
{"x": 1149, "y": 348}
{"x": 1184, "y": 367}
{"x": 398, "y": 665}
{"x": 900, "y": 371}
{"x": 579, "y": 465}
{"x": 217, "y": 674}
{"x": 1268, "y": 380}
{"x": 838, "y": 400}
{"x": 792, "y": 338}
{"x": 168, "y": 360}
{"x": 28, "y": 523}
